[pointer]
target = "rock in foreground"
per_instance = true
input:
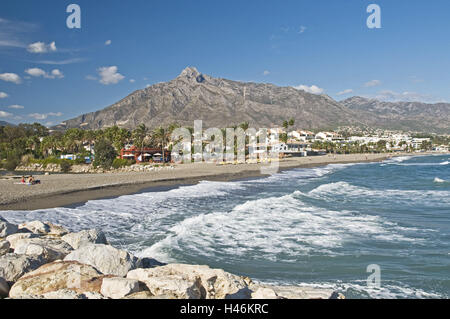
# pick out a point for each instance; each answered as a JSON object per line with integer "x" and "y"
{"x": 105, "y": 258}
{"x": 14, "y": 266}
{"x": 53, "y": 277}
{"x": 31, "y": 267}
{"x": 85, "y": 237}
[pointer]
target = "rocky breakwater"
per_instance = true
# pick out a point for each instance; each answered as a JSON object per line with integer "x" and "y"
{"x": 90, "y": 169}
{"x": 39, "y": 260}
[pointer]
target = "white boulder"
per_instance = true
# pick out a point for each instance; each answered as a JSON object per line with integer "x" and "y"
{"x": 7, "y": 228}
{"x": 49, "y": 249}
{"x": 264, "y": 293}
{"x": 44, "y": 228}
{"x": 211, "y": 283}
{"x": 36, "y": 227}
{"x": 14, "y": 238}
{"x": 106, "y": 259}
{"x": 291, "y": 292}
{"x": 174, "y": 286}
{"x": 118, "y": 287}
{"x": 56, "y": 276}
{"x": 85, "y": 237}
{"x": 14, "y": 266}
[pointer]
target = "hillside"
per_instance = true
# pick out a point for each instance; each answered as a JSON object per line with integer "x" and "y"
{"x": 414, "y": 116}
{"x": 222, "y": 103}
{"x": 219, "y": 103}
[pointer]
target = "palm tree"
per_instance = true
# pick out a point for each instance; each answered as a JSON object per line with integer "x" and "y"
{"x": 162, "y": 136}
{"x": 244, "y": 126}
{"x": 139, "y": 135}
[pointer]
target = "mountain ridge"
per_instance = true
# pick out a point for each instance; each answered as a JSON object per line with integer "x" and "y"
{"x": 220, "y": 102}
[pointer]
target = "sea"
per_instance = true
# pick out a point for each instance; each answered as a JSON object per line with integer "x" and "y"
{"x": 317, "y": 227}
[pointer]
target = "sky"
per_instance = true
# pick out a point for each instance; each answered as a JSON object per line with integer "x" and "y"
{"x": 49, "y": 73}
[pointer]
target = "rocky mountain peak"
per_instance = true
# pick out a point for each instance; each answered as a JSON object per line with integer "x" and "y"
{"x": 189, "y": 72}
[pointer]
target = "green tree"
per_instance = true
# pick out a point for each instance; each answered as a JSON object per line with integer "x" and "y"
{"x": 162, "y": 136}
{"x": 104, "y": 154}
{"x": 139, "y": 135}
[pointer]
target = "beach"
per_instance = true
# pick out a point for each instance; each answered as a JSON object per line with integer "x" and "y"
{"x": 57, "y": 190}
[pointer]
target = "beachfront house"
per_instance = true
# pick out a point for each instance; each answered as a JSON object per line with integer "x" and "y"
{"x": 144, "y": 155}
{"x": 291, "y": 149}
{"x": 301, "y": 135}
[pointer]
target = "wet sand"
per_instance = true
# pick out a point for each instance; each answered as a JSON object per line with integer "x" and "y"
{"x": 59, "y": 190}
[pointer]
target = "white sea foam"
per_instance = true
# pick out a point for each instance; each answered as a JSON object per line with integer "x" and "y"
{"x": 302, "y": 174}
{"x": 433, "y": 197}
{"x": 438, "y": 180}
{"x": 277, "y": 229}
{"x": 398, "y": 159}
{"x": 130, "y": 218}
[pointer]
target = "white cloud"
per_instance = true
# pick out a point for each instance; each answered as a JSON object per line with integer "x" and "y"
{"x": 109, "y": 75}
{"x": 132, "y": 80}
{"x": 3, "y": 95}
{"x": 108, "y": 42}
{"x": 38, "y": 116}
{"x": 52, "y": 47}
{"x": 91, "y": 78}
{"x": 62, "y": 62}
{"x": 56, "y": 74}
{"x": 41, "y": 47}
{"x": 5, "y": 114}
{"x": 16, "y": 107}
{"x": 12, "y": 32}
{"x": 302, "y": 29}
{"x": 313, "y": 89}
{"x": 36, "y": 72}
{"x": 372, "y": 83}
{"x": 10, "y": 77}
{"x": 41, "y": 116}
{"x": 348, "y": 91}
{"x": 266, "y": 72}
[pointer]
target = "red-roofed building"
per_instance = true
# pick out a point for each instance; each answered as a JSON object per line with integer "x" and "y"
{"x": 146, "y": 154}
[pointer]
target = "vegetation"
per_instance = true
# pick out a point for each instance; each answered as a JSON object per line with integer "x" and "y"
{"x": 286, "y": 125}
{"x": 65, "y": 166}
{"x": 118, "y": 163}
{"x": 104, "y": 154}
{"x": 34, "y": 143}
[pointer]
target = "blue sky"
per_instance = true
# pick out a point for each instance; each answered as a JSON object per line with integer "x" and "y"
{"x": 320, "y": 46}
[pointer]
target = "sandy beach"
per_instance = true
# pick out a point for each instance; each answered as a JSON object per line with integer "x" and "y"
{"x": 58, "y": 190}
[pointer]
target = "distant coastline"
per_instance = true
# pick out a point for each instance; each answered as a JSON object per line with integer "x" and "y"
{"x": 70, "y": 189}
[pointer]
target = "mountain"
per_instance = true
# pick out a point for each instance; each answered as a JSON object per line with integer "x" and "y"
{"x": 219, "y": 103}
{"x": 222, "y": 103}
{"x": 3, "y": 123}
{"x": 409, "y": 116}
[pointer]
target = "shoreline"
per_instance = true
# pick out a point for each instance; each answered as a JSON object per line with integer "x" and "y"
{"x": 78, "y": 189}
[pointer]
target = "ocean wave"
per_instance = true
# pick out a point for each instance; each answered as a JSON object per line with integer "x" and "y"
{"x": 277, "y": 229}
{"x": 434, "y": 197}
{"x": 301, "y": 174}
{"x": 398, "y": 159}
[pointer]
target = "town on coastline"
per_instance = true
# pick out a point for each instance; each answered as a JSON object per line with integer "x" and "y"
{"x": 34, "y": 147}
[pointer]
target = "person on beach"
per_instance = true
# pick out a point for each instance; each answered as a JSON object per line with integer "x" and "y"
{"x": 31, "y": 180}
{"x": 23, "y": 180}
